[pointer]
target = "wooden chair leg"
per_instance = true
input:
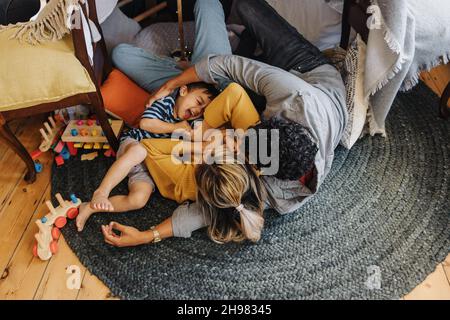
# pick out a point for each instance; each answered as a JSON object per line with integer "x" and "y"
{"x": 10, "y": 139}
{"x": 445, "y": 110}
{"x": 346, "y": 28}
{"x": 99, "y": 110}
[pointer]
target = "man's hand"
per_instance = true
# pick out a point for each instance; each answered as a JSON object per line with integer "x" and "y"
{"x": 186, "y": 77}
{"x": 128, "y": 237}
{"x": 162, "y": 92}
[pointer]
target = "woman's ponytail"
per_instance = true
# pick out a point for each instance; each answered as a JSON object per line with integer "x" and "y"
{"x": 232, "y": 197}
{"x": 251, "y": 223}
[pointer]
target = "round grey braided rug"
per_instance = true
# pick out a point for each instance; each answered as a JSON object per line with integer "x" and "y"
{"x": 379, "y": 225}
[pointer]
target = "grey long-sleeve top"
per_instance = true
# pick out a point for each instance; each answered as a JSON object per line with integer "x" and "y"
{"x": 316, "y": 100}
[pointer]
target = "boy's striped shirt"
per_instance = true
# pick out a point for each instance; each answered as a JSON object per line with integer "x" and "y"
{"x": 162, "y": 110}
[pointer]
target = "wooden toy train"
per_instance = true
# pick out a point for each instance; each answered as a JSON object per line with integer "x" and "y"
{"x": 49, "y": 226}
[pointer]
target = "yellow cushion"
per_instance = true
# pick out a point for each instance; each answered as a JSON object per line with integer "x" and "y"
{"x": 31, "y": 75}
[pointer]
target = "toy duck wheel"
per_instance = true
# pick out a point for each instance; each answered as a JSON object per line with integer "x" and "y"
{"x": 53, "y": 247}
{"x": 72, "y": 213}
{"x": 56, "y": 233}
{"x": 35, "y": 250}
{"x": 60, "y": 222}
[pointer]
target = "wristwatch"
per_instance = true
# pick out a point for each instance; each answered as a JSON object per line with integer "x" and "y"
{"x": 156, "y": 236}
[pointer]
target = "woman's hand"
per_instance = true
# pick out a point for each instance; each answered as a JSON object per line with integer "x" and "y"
{"x": 128, "y": 237}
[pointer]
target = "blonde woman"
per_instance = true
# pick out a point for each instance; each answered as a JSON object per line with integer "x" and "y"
{"x": 305, "y": 103}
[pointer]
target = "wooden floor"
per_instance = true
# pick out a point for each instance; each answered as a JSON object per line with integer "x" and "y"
{"x": 26, "y": 277}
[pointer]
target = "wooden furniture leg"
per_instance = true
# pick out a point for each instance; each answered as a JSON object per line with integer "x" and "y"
{"x": 10, "y": 139}
{"x": 354, "y": 16}
{"x": 346, "y": 27}
{"x": 107, "y": 67}
{"x": 99, "y": 110}
{"x": 445, "y": 110}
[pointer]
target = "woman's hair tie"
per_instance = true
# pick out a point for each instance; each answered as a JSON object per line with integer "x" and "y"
{"x": 252, "y": 223}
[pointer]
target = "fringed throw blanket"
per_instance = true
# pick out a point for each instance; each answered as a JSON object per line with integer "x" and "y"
{"x": 406, "y": 38}
{"x": 52, "y": 23}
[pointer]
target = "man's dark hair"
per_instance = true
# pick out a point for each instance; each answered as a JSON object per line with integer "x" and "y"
{"x": 210, "y": 89}
{"x": 297, "y": 150}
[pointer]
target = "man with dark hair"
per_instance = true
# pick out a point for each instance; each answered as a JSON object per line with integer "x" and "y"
{"x": 296, "y": 150}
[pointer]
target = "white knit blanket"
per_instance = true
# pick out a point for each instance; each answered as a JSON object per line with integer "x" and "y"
{"x": 406, "y": 38}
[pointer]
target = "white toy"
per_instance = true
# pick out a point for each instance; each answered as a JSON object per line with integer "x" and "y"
{"x": 50, "y": 137}
{"x": 48, "y": 235}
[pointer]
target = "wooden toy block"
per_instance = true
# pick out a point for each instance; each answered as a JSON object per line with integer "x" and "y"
{"x": 59, "y": 147}
{"x": 51, "y": 135}
{"x": 49, "y": 226}
{"x": 89, "y": 156}
{"x": 88, "y": 146}
{"x": 106, "y": 146}
{"x": 65, "y": 153}
{"x": 38, "y": 166}
{"x": 59, "y": 160}
{"x": 72, "y": 150}
{"x": 97, "y": 146}
{"x": 78, "y": 145}
{"x": 89, "y": 133}
{"x": 109, "y": 153}
{"x": 35, "y": 154}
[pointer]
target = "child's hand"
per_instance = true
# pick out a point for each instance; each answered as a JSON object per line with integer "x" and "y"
{"x": 184, "y": 125}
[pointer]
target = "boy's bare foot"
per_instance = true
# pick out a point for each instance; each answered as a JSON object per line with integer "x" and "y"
{"x": 84, "y": 212}
{"x": 101, "y": 202}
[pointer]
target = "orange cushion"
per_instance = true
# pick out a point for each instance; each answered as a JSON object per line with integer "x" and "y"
{"x": 124, "y": 98}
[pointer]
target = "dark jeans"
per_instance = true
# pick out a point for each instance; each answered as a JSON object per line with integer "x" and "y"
{"x": 280, "y": 42}
{"x": 13, "y": 11}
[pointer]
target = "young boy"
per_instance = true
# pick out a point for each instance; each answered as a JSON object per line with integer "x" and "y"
{"x": 158, "y": 121}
